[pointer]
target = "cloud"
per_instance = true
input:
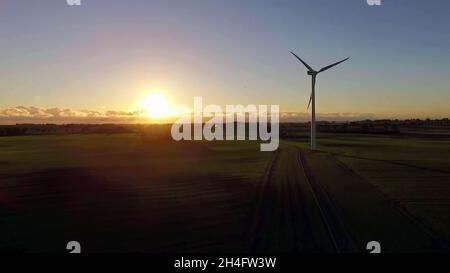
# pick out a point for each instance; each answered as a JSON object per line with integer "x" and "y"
{"x": 32, "y": 114}
{"x": 304, "y": 117}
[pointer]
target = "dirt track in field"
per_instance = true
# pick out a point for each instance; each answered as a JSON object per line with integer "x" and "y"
{"x": 321, "y": 205}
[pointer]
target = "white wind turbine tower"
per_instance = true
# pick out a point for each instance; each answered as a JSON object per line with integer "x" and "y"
{"x": 312, "y": 98}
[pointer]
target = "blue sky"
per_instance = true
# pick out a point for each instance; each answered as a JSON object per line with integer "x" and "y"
{"x": 108, "y": 54}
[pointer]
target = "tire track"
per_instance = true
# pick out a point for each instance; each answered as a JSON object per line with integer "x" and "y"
{"x": 280, "y": 223}
{"x": 286, "y": 217}
{"x": 261, "y": 206}
{"x": 340, "y": 237}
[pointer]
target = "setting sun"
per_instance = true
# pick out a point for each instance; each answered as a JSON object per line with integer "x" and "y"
{"x": 156, "y": 106}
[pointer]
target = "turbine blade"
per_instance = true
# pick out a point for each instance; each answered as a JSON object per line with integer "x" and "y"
{"x": 305, "y": 64}
{"x": 332, "y": 65}
{"x": 310, "y": 99}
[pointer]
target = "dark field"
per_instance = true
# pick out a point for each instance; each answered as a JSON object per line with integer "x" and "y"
{"x": 132, "y": 193}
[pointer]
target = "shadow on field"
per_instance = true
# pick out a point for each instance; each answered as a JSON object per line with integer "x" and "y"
{"x": 152, "y": 211}
{"x": 400, "y": 163}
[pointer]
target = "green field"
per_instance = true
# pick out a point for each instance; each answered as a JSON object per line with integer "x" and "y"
{"x": 412, "y": 171}
{"x": 124, "y": 192}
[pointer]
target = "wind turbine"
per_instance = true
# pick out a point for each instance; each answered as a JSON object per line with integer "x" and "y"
{"x": 312, "y": 98}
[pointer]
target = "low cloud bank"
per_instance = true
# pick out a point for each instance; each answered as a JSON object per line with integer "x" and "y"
{"x": 32, "y": 114}
{"x": 23, "y": 114}
{"x": 297, "y": 116}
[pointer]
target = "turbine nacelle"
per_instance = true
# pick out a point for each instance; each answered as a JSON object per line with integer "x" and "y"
{"x": 311, "y": 71}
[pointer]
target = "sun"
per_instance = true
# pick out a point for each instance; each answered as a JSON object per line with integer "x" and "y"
{"x": 156, "y": 106}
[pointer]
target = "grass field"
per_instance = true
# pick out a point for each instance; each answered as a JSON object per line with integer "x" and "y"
{"x": 412, "y": 171}
{"x": 124, "y": 192}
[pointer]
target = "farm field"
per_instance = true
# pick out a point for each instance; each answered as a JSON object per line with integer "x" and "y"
{"x": 413, "y": 173}
{"x": 127, "y": 193}
{"x": 122, "y": 193}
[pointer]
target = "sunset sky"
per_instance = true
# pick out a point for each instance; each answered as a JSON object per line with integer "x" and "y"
{"x": 109, "y": 55}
